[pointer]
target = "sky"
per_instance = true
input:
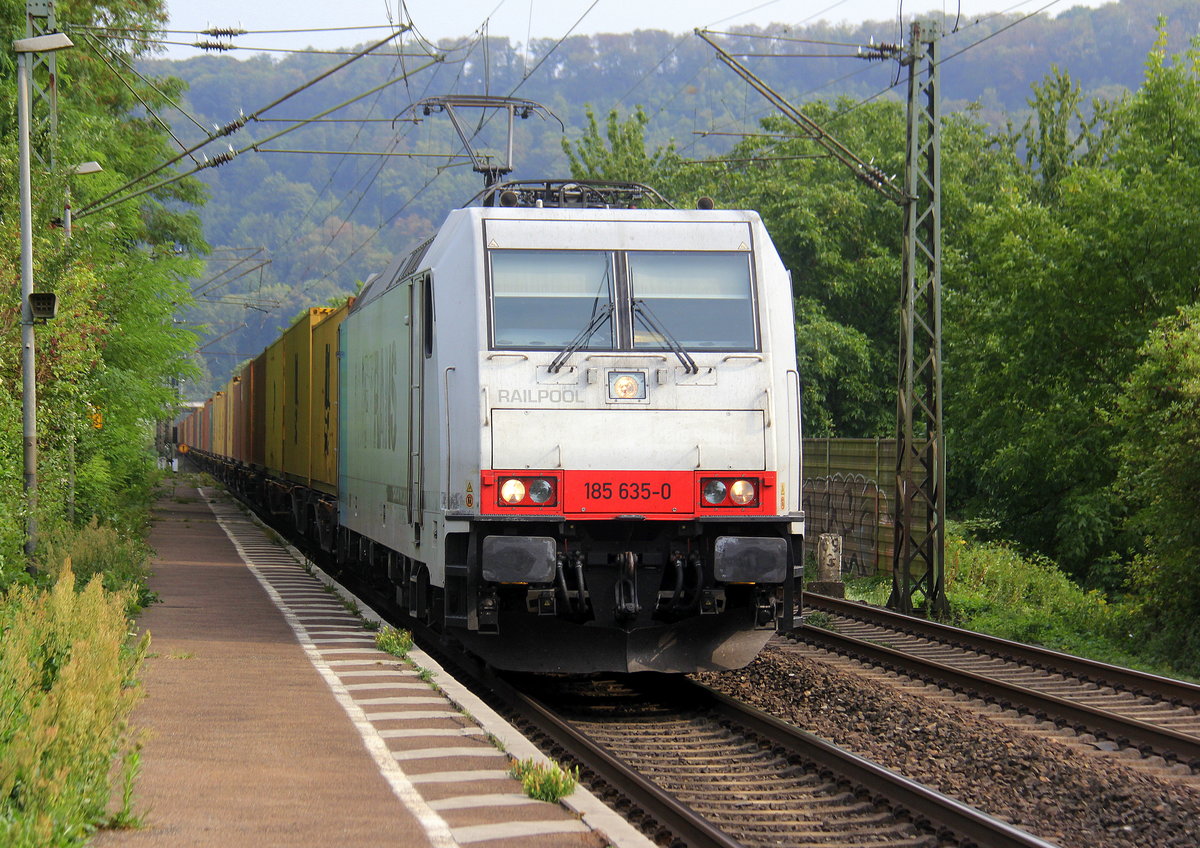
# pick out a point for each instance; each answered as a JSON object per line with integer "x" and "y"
{"x": 521, "y": 20}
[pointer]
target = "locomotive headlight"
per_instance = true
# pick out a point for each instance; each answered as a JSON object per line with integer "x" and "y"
{"x": 540, "y": 491}
{"x": 742, "y": 492}
{"x": 714, "y": 492}
{"x": 512, "y": 491}
{"x": 627, "y": 385}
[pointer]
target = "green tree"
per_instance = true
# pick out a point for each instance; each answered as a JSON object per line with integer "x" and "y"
{"x": 1062, "y": 289}
{"x": 1158, "y": 419}
{"x": 111, "y": 355}
{"x": 619, "y": 153}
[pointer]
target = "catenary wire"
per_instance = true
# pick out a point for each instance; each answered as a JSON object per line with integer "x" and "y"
{"x": 137, "y": 95}
{"x": 230, "y": 128}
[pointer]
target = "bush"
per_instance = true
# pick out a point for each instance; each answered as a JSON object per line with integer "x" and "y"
{"x": 66, "y": 691}
{"x": 1159, "y": 416}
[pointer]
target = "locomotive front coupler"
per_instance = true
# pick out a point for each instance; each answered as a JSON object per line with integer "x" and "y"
{"x": 627, "y": 606}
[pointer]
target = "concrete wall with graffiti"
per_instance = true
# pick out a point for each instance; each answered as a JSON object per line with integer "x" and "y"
{"x": 849, "y": 489}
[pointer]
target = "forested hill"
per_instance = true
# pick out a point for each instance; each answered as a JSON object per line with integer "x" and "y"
{"x": 326, "y": 221}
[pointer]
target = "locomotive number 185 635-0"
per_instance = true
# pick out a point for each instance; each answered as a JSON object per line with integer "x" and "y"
{"x": 596, "y": 491}
{"x": 622, "y": 491}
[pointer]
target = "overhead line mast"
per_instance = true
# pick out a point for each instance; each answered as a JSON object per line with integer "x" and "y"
{"x": 918, "y": 564}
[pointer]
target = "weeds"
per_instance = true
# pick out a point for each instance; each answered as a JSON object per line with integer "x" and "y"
{"x": 545, "y": 781}
{"x": 66, "y": 690}
{"x": 131, "y": 767}
{"x": 820, "y": 619}
{"x": 396, "y": 642}
{"x": 122, "y": 562}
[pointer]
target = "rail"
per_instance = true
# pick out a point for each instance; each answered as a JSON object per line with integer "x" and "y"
{"x": 1123, "y": 730}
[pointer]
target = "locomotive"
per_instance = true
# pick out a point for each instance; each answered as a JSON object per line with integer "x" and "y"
{"x": 566, "y": 430}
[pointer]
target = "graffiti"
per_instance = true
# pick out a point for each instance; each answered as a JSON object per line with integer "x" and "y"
{"x": 854, "y": 507}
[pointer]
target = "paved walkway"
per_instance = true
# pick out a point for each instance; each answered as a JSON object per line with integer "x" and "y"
{"x": 270, "y": 718}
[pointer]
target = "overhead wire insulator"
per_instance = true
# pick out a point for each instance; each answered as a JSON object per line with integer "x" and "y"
{"x": 223, "y": 32}
{"x": 878, "y": 52}
{"x": 232, "y": 127}
{"x": 218, "y": 46}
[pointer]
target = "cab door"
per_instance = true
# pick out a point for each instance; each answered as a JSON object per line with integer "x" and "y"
{"x": 421, "y": 309}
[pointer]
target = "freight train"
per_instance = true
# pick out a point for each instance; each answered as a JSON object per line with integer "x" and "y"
{"x": 566, "y": 430}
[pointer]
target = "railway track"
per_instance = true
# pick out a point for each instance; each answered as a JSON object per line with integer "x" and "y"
{"x": 1124, "y": 708}
{"x": 701, "y": 769}
{"x": 694, "y": 768}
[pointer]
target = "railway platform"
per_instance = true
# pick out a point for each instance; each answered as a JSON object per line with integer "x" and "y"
{"x": 271, "y": 719}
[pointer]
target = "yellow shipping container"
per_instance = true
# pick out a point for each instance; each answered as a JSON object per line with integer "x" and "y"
{"x": 323, "y": 427}
{"x": 298, "y": 366}
{"x": 274, "y": 430}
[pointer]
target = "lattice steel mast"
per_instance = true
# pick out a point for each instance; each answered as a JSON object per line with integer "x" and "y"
{"x": 43, "y": 77}
{"x": 918, "y": 563}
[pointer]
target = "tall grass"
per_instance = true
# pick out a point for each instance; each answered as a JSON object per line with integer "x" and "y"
{"x": 119, "y": 558}
{"x": 993, "y": 588}
{"x": 67, "y": 669}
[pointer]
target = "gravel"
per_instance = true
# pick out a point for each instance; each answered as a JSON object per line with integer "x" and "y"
{"x": 1059, "y": 794}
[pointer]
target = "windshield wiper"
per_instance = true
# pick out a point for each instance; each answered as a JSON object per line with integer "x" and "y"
{"x": 642, "y": 311}
{"x": 595, "y": 324}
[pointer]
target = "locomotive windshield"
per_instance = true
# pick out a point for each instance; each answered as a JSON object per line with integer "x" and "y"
{"x": 702, "y": 299}
{"x": 544, "y": 298}
{"x": 628, "y": 300}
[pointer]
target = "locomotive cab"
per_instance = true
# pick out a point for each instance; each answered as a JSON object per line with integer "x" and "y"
{"x": 571, "y": 434}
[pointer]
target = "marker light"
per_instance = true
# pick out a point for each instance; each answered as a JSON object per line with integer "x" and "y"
{"x": 528, "y": 491}
{"x": 729, "y": 492}
{"x": 540, "y": 491}
{"x": 714, "y": 492}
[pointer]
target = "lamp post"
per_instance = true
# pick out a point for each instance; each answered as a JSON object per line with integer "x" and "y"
{"x": 24, "y": 47}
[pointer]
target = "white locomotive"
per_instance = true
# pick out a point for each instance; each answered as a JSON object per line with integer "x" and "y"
{"x": 570, "y": 432}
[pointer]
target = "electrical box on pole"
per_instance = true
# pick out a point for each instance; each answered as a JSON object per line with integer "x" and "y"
{"x": 918, "y": 565}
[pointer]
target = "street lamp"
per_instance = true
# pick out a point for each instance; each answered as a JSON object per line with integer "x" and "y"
{"x": 23, "y": 47}
{"x": 82, "y": 169}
